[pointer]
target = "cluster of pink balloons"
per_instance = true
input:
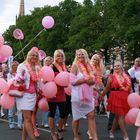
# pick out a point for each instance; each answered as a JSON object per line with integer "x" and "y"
{"x": 134, "y": 103}
{"x": 6, "y": 101}
{"x": 50, "y": 88}
{"x": 5, "y": 51}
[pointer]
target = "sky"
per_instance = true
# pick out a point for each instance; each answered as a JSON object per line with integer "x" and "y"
{"x": 10, "y": 8}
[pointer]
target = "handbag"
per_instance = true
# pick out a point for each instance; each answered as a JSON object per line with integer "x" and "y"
{"x": 15, "y": 93}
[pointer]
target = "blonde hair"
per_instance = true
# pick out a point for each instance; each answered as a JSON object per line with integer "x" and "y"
{"x": 28, "y": 56}
{"x": 100, "y": 64}
{"x": 48, "y": 58}
{"x": 85, "y": 55}
{"x": 59, "y": 51}
{"x": 119, "y": 62}
{"x": 12, "y": 64}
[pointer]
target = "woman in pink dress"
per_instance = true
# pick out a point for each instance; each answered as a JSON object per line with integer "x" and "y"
{"x": 119, "y": 85}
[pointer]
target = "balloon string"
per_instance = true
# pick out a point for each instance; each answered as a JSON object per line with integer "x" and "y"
{"x": 21, "y": 48}
{"x": 30, "y": 42}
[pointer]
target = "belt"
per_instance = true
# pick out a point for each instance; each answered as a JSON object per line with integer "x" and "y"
{"x": 116, "y": 89}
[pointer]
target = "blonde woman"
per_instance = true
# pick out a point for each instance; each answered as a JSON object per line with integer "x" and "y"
{"x": 27, "y": 103}
{"x": 11, "y": 112}
{"x": 119, "y": 85}
{"x": 60, "y": 99}
{"x": 82, "y": 80}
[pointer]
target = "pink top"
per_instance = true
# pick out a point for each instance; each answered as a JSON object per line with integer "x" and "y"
{"x": 32, "y": 87}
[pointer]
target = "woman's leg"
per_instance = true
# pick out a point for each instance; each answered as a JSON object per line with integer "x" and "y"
{"x": 75, "y": 126}
{"x": 122, "y": 126}
{"x": 28, "y": 126}
{"x": 62, "y": 112}
{"x": 36, "y": 133}
{"x": 52, "y": 110}
{"x": 92, "y": 125}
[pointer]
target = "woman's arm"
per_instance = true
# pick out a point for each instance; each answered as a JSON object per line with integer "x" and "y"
{"x": 107, "y": 88}
{"x": 74, "y": 70}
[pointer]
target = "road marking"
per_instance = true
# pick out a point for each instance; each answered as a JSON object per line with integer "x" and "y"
{"x": 42, "y": 129}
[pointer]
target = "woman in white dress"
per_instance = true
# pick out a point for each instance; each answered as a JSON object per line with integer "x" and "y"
{"x": 82, "y": 80}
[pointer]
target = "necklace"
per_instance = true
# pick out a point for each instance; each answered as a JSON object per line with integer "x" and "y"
{"x": 121, "y": 81}
{"x": 60, "y": 67}
{"x": 98, "y": 74}
{"x": 86, "y": 69}
{"x": 32, "y": 71}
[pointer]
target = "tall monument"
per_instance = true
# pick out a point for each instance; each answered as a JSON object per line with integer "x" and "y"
{"x": 21, "y": 9}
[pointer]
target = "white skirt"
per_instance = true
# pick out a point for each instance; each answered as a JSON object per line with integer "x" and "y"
{"x": 27, "y": 102}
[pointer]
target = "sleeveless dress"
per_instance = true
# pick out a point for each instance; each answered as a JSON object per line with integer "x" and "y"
{"x": 117, "y": 102}
{"x": 81, "y": 97}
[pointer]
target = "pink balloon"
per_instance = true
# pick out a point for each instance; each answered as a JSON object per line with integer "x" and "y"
{"x": 68, "y": 90}
{"x": 18, "y": 34}
{"x": 43, "y": 105}
{"x": 42, "y": 54}
{"x": 47, "y": 73}
{"x": 3, "y": 86}
{"x": 3, "y": 59}
{"x": 6, "y": 51}
{"x": 1, "y": 40}
{"x": 35, "y": 49}
{"x": 133, "y": 100}
{"x": 48, "y": 22}
{"x": 7, "y": 101}
{"x": 49, "y": 90}
{"x": 131, "y": 116}
{"x": 62, "y": 79}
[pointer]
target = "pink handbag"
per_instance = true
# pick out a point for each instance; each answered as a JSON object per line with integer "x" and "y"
{"x": 15, "y": 93}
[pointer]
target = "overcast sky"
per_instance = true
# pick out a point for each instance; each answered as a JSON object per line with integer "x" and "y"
{"x": 10, "y": 8}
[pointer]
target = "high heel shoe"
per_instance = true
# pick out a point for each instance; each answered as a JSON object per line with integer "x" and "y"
{"x": 89, "y": 136}
{"x": 59, "y": 134}
{"x": 36, "y": 133}
{"x": 53, "y": 137}
{"x": 111, "y": 135}
{"x": 125, "y": 138}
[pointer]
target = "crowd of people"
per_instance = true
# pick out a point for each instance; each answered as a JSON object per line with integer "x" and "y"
{"x": 90, "y": 81}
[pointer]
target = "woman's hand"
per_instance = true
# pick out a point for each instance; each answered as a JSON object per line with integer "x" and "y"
{"x": 89, "y": 82}
{"x": 101, "y": 97}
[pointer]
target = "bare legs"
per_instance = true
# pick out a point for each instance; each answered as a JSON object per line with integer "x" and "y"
{"x": 92, "y": 125}
{"x": 27, "y": 127}
{"x": 75, "y": 126}
{"x": 121, "y": 122}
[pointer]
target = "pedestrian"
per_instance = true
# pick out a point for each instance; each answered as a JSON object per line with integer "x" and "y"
{"x": 82, "y": 80}
{"x": 134, "y": 73}
{"x": 119, "y": 85}
{"x": 11, "y": 112}
{"x": 60, "y": 99}
{"x": 28, "y": 101}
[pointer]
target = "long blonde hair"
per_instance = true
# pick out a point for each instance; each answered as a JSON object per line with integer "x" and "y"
{"x": 85, "y": 55}
{"x": 11, "y": 66}
{"x": 100, "y": 65}
{"x": 28, "y": 57}
{"x": 59, "y": 51}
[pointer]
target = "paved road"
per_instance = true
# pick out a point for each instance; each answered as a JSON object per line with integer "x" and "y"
{"x": 101, "y": 121}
